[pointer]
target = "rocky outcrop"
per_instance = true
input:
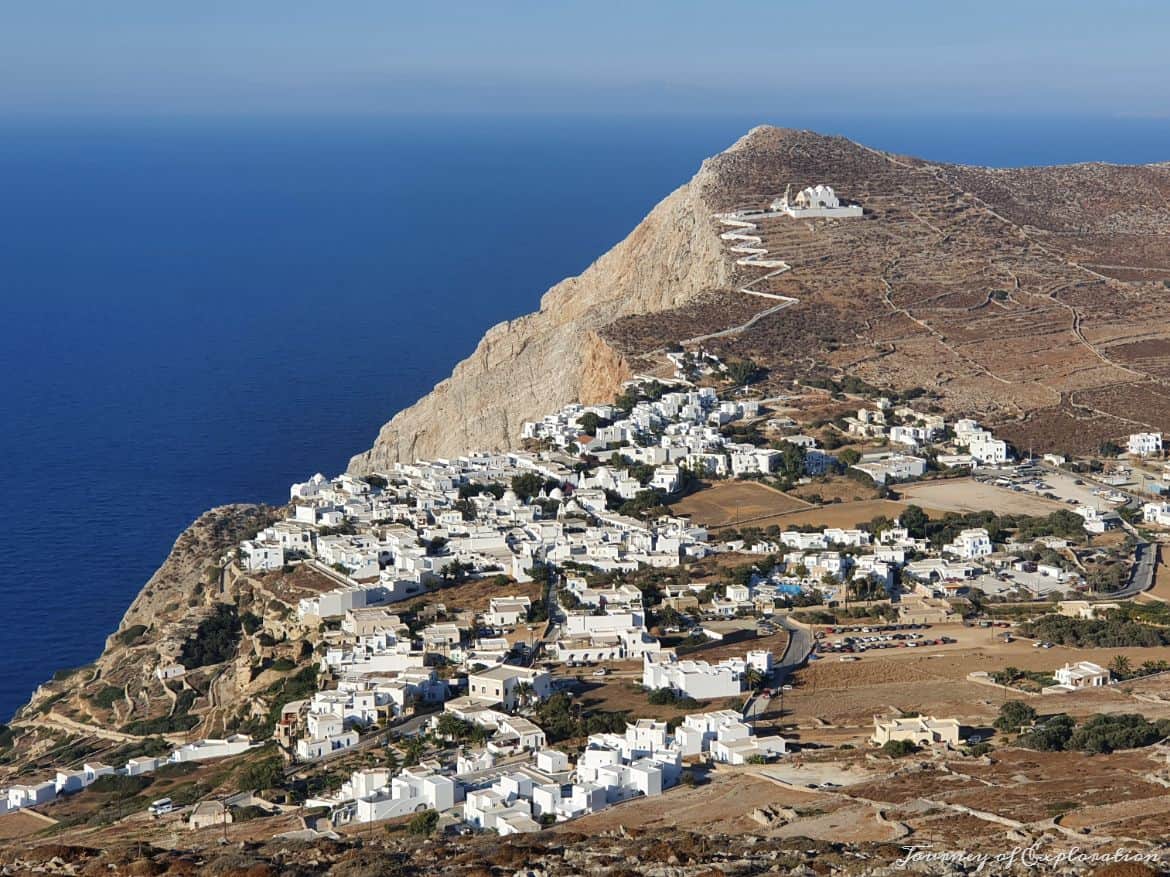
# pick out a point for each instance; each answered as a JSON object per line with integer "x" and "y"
{"x": 168, "y": 610}
{"x": 526, "y": 367}
{"x": 190, "y": 577}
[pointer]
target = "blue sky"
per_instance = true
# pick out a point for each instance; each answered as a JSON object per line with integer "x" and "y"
{"x": 653, "y": 56}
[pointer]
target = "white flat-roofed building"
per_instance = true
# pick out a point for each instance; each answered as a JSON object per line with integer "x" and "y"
{"x": 501, "y": 684}
{"x": 1082, "y": 674}
{"x": 507, "y": 611}
{"x": 971, "y": 544}
{"x": 1156, "y": 513}
{"x": 892, "y": 467}
{"x": 1145, "y": 444}
{"x": 699, "y": 679}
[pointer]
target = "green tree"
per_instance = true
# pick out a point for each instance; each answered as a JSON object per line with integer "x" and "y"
{"x": 525, "y": 694}
{"x": 1109, "y": 732}
{"x": 268, "y": 773}
{"x": 914, "y": 519}
{"x": 1120, "y": 667}
{"x": 743, "y": 371}
{"x": 849, "y": 457}
{"x": 414, "y": 748}
{"x": 899, "y": 748}
{"x": 423, "y": 823}
{"x": 215, "y": 639}
{"x": 791, "y": 465}
{"x": 456, "y": 571}
{"x": 590, "y": 422}
{"x": 1013, "y": 715}
{"x": 527, "y": 485}
{"x": 753, "y": 678}
{"x": 1052, "y": 736}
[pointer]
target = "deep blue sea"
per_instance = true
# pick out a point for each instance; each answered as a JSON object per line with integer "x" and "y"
{"x": 201, "y": 311}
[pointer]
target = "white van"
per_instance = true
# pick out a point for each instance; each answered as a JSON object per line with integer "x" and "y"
{"x": 161, "y": 807}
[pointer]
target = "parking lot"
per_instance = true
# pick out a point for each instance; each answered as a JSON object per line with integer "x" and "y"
{"x": 853, "y": 639}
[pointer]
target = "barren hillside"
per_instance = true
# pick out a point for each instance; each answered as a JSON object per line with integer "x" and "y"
{"x": 1031, "y": 297}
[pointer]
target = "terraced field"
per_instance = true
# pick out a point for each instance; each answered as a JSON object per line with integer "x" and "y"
{"x": 1035, "y": 298}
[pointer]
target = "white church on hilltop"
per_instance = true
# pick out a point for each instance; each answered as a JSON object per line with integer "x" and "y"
{"x": 815, "y": 202}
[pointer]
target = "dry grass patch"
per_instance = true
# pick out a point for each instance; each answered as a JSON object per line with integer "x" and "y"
{"x": 726, "y": 503}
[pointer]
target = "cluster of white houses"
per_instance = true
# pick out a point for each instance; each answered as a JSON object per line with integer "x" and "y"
{"x": 67, "y": 781}
{"x": 516, "y": 787}
{"x": 389, "y": 538}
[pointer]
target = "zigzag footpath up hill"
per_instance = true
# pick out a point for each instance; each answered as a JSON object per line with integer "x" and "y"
{"x": 1030, "y": 298}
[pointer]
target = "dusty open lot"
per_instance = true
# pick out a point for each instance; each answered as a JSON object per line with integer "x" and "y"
{"x": 845, "y": 514}
{"x": 475, "y": 595}
{"x": 721, "y": 804}
{"x": 834, "y": 701}
{"x": 727, "y": 503}
{"x": 968, "y": 495}
{"x": 622, "y": 692}
{"x": 22, "y": 823}
{"x": 835, "y": 489}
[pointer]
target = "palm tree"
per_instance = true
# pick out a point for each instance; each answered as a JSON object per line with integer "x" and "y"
{"x": 392, "y": 762}
{"x": 1120, "y": 666}
{"x": 415, "y": 748}
{"x": 524, "y": 692}
{"x": 753, "y": 678}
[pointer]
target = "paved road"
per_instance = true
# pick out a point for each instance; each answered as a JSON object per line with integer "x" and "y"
{"x": 800, "y": 643}
{"x": 411, "y": 727}
{"x": 1141, "y": 577}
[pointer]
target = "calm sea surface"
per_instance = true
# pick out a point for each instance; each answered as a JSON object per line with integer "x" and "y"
{"x": 200, "y": 312}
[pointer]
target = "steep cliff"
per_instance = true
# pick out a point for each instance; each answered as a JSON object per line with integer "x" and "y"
{"x": 527, "y": 367}
{"x": 120, "y": 692}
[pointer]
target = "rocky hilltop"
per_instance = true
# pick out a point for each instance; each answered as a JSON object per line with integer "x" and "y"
{"x": 1032, "y": 297}
{"x": 526, "y": 367}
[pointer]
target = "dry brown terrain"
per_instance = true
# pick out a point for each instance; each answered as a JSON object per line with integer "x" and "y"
{"x": 835, "y": 701}
{"x": 22, "y": 823}
{"x": 838, "y": 489}
{"x": 476, "y": 595}
{"x": 730, "y": 503}
{"x": 1161, "y": 589}
{"x": 1030, "y": 296}
{"x": 967, "y": 495}
{"x": 845, "y": 514}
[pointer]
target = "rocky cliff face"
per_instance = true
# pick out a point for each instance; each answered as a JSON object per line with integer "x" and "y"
{"x": 121, "y": 687}
{"x": 524, "y": 368}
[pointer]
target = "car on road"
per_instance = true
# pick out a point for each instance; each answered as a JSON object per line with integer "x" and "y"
{"x": 600, "y": 671}
{"x": 160, "y": 807}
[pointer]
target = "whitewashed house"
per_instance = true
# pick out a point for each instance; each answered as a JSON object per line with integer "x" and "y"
{"x": 1145, "y": 444}
{"x": 971, "y": 544}
{"x": 1082, "y": 674}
